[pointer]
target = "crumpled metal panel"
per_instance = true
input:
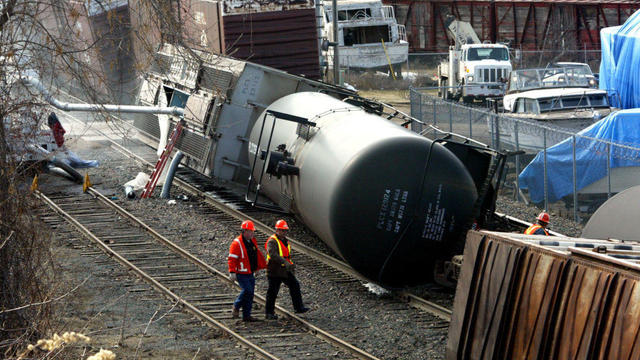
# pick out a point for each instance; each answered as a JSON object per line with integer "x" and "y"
{"x": 194, "y": 144}
{"x": 191, "y": 143}
{"x": 147, "y": 123}
{"x": 196, "y": 111}
{"x": 216, "y": 80}
{"x": 517, "y": 299}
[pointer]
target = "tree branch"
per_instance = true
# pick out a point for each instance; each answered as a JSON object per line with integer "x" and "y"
{"x": 46, "y": 301}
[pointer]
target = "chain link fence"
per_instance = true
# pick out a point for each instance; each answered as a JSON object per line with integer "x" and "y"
{"x": 557, "y": 179}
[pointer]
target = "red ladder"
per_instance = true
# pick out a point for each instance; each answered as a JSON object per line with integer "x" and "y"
{"x": 162, "y": 161}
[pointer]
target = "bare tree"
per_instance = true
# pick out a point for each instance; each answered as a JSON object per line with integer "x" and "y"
{"x": 95, "y": 50}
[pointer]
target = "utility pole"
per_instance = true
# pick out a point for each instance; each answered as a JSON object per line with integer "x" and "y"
{"x": 336, "y": 57}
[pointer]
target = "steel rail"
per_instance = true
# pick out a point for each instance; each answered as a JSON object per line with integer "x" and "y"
{"x": 426, "y": 305}
{"x": 318, "y": 332}
{"x": 159, "y": 287}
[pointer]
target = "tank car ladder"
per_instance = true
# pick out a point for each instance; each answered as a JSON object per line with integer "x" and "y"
{"x": 162, "y": 161}
{"x": 274, "y": 165}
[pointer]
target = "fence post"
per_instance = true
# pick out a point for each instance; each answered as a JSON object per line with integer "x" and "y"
{"x": 491, "y": 129}
{"x": 546, "y": 190}
{"x": 435, "y": 115}
{"x": 608, "y": 170}
{"x": 420, "y": 117}
{"x": 497, "y": 122}
{"x": 515, "y": 134}
{"x": 450, "y": 117}
{"x": 470, "y": 123}
{"x": 575, "y": 182}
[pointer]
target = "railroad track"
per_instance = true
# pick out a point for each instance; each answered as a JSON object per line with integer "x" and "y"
{"x": 228, "y": 208}
{"x": 195, "y": 286}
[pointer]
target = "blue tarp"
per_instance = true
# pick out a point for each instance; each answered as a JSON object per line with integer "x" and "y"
{"x": 622, "y": 127}
{"x": 620, "y": 64}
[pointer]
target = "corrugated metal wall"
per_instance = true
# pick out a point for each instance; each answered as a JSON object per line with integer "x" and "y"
{"x": 530, "y": 25}
{"x": 286, "y": 40}
{"x": 515, "y": 300}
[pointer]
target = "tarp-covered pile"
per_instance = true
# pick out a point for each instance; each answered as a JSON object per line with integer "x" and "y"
{"x": 620, "y": 65}
{"x": 622, "y": 127}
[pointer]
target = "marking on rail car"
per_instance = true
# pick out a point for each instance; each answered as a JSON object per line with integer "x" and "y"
{"x": 434, "y": 223}
{"x": 392, "y": 210}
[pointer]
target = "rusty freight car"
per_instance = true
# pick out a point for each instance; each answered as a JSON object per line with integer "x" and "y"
{"x": 276, "y": 33}
{"x": 523, "y": 24}
{"x": 537, "y": 297}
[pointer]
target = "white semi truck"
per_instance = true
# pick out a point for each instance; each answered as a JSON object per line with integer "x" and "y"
{"x": 474, "y": 70}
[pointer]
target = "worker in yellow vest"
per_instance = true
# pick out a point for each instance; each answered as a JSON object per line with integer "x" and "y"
{"x": 280, "y": 269}
{"x": 540, "y": 227}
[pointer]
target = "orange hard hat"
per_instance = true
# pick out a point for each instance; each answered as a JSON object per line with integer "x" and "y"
{"x": 248, "y": 225}
{"x": 282, "y": 225}
{"x": 544, "y": 217}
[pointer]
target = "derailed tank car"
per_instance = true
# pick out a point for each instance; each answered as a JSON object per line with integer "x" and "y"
{"x": 393, "y": 204}
{"x": 389, "y": 201}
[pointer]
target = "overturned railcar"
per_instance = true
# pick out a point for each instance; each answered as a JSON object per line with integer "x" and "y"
{"x": 390, "y": 202}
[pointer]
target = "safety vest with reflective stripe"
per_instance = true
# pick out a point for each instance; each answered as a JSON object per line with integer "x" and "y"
{"x": 239, "y": 260}
{"x": 534, "y": 230}
{"x": 285, "y": 251}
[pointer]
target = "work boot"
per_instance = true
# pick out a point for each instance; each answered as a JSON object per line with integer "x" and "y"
{"x": 249, "y": 319}
{"x": 302, "y": 310}
{"x": 235, "y": 313}
{"x": 271, "y": 317}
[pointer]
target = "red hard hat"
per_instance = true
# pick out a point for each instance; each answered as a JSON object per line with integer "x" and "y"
{"x": 544, "y": 217}
{"x": 282, "y": 225}
{"x": 248, "y": 225}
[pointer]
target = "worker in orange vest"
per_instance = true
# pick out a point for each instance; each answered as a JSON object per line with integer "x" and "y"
{"x": 280, "y": 269}
{"x": 540, "y": 227}
{"x": 245, "y": 259}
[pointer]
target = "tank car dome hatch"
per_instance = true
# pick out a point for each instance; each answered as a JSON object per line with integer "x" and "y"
{"x": 388, "y": 201}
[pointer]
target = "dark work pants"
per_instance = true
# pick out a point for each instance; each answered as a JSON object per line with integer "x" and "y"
{"x": 274, "y": 288}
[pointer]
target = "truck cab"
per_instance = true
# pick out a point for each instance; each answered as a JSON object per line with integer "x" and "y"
{"x": 474, "y": 70}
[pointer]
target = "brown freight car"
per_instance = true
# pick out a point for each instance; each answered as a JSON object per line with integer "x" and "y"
{"x": 523, "y": 24}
